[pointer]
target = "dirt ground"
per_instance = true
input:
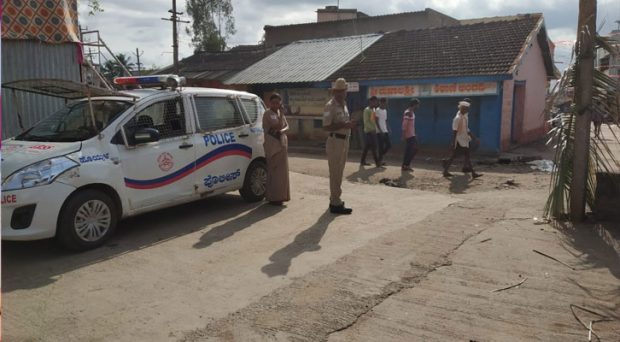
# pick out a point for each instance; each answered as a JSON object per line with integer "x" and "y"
{"x": 422, "y": 258}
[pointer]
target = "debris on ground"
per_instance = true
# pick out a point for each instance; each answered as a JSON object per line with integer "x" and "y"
{"x": 602, "y": 318}
{"x": 510, "y": 183}
{"x": 542, "y": 165}
{"x": 552, "y": 258}
{"x": 539, "y": 221}
{"x": 511, "y": 286}
{"x": 392, "y": 182}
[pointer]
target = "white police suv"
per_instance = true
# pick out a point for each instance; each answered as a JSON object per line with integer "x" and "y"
{"x": 112, "y": 154}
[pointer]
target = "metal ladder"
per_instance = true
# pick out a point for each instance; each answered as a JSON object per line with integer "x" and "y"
{"x": 95, "y": 55}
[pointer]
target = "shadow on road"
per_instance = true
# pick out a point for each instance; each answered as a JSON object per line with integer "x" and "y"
{"x": 306, "y": 241}
{"x": 598, "y": 246}
{"x": 459, "y": 183}
{"x": 363, "y": 174}
{"x": 34, "y": 264}
{"x": 238, "y": 224}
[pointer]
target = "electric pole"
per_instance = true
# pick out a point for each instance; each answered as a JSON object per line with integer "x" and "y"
{"x": 138, "y": 55}
{"x": 584, "y": 72}
{"x": 175, "y": 36}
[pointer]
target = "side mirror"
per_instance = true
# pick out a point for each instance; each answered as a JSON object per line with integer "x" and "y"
{"x": 144, "y": 136}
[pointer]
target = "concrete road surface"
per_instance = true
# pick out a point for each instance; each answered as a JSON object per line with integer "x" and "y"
{"x": 408, "y": 265}
{"x": 172, "y": 271}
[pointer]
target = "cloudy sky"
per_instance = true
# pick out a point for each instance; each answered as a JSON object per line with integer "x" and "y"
{"x": 127, "y": 25}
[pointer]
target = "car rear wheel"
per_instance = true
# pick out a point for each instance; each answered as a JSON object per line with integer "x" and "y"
{"x": 255, "y": 182}
{"x": 87, "y": 220}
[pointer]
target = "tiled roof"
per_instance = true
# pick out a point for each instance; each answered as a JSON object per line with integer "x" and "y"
{"x": 362, "y": 20}
{"x": 219, "y": 65}
{"x": 489, "y": 47}
{"x": 305, "y": 60}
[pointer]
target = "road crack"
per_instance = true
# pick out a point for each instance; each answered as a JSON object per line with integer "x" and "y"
{"x": 406, "y": 282}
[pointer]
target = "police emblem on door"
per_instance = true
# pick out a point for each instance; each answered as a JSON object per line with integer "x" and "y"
{"x": 165, "y": 161}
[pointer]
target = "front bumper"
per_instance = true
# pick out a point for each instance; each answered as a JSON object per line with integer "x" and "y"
{"x": 39, "y": 205}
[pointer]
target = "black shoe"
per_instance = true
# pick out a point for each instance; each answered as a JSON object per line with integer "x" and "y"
{"x": 476, "y": 175}
{"x": 447, "y": 174}
{"x": 340, "y": 209}
{"x": 364, "y": 164}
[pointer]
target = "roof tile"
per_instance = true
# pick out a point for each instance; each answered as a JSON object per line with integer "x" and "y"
{"x": 481, "y": 48}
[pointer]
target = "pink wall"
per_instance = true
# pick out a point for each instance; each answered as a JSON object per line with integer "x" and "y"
{"x": 532, "y": 71}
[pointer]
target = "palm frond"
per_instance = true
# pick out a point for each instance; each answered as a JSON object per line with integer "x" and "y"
{"x": 606, "y": 43}
{"x": 605, "y": 101}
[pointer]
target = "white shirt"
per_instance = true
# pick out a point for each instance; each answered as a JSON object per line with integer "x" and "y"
{"x": 382, "y": 119}
{"x": 460, "y": 124}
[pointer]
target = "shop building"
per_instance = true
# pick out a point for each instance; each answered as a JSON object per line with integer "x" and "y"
{"x": 301, "y": 73}
{"x": 502, "y": 64}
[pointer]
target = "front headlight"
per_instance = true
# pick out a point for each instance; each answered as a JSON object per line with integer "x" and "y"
{"x": 37, "y": 174}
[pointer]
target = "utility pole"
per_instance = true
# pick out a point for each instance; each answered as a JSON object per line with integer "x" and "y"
{"x": 175, "y": 36}
{"x": 138, "y": 55}
{"x": 586, "y": 31}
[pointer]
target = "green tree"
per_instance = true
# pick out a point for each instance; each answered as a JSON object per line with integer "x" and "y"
{"x": 94, "y": 6}
{"x": 212, "y": 24}
{"x": 111, "y": 68}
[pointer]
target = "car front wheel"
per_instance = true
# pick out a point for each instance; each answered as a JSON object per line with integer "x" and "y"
{"x": 255, "y": 182}
{"x": 87, "y": 220}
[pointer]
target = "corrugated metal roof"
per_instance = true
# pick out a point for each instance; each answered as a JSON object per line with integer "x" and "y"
{"x": 305, "y": 60}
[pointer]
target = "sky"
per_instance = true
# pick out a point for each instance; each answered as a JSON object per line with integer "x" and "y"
{"x": 127, "y": 25}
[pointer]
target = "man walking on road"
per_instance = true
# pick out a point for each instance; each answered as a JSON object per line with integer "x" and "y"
{"x": 337, "y": 122}
{"x": 408, "y": 126}
{"x": 461, "y": 138}
{"x": 370, "y": 132}
{"x": 383, "y": 135}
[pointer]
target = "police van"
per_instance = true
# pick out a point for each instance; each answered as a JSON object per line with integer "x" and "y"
{"x": 110, "y": 154}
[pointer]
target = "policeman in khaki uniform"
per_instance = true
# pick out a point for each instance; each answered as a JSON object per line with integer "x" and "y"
{"x": 337, "y": 122}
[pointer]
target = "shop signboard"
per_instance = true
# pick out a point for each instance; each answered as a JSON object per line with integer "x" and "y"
{"x": 435, "y": 90}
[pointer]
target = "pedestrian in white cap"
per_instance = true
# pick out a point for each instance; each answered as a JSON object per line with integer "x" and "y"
{"x": 461, "y": 139}
{"x": 338, "y": 124}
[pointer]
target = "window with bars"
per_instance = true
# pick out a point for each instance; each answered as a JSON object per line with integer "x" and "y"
{"x": 167, "y": 117}
{"x": 215, "y": 113}
{"x": 253, "y": 108}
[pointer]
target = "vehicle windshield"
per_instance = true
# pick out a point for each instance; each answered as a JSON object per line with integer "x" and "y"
{"x": 74, "y": 122}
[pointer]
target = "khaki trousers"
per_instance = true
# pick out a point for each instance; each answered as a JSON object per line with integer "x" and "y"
{"x": 337, "y": 150}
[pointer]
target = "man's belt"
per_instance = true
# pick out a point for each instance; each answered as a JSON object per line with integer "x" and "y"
{"x": 338, "y": 135}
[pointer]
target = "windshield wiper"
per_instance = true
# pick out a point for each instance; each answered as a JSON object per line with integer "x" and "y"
{"x": 30, "y": 137}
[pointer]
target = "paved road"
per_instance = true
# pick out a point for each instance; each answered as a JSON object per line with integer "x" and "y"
{"x": 408, "y": 265}
{"x": 172, "y": 271}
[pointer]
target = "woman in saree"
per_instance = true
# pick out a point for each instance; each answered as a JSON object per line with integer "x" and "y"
{"x": 276, "y": 145}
